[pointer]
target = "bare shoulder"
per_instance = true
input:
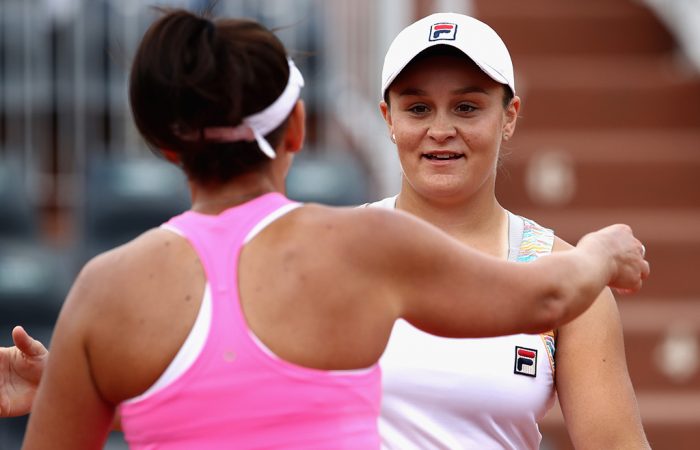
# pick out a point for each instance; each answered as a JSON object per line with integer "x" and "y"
{"x": 142, "y": 296}
{"x": 132, "y": 284}
{"x": 119, "y": 271}
{"x": 373, "y": 241}
{"x": 561, "y": 245}
{"x": 361, "y": 219}
{"x": 366, "y": 227}
{"x": 369, "y": 245}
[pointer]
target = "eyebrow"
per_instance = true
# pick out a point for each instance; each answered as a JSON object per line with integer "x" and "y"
{"x": 465, "y": 90}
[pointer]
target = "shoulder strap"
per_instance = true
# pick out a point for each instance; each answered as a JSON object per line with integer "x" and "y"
{"x": 387, "y": 203}
{"x": 228, "y": 230}
{"x": 536, "y": 241}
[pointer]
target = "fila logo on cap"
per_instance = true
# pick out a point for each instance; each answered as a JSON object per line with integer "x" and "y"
{"x": 525, "y": 361}
{"x": 443, "y": 32}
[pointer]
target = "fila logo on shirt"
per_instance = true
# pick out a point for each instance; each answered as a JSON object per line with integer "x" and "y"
{"x": 443, "y": 32}
{"x": 525, "y": 361}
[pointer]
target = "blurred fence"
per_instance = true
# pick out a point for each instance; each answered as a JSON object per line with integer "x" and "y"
{"x": 76, "y": 179}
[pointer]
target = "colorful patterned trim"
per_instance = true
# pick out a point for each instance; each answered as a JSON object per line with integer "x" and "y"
{"x": 538, "y": 241}
{"x": 550, "y": 343}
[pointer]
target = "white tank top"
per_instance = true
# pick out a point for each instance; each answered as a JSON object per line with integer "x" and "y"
{"x": 441, "y": 393}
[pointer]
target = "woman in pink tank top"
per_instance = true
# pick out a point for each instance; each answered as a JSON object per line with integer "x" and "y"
{"x": 251, "y": 321}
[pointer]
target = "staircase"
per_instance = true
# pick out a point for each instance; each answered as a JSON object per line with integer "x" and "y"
{"x": 610, "y": 132}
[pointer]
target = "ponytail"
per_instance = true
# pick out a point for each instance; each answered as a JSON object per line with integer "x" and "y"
{"x": 191, "y": 73}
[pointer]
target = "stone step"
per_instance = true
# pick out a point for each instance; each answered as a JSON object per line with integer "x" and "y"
{"x": 607, "y": 92}
{"x": 601, "y": 169}
{"x": 662, "y": 342}
{"x": 671, "y": 422}
{"x": 602, "y": 72}
{"x": 620, "y": 91}
{"x": 591, "y": 27}
{"x": 559, "y": 9}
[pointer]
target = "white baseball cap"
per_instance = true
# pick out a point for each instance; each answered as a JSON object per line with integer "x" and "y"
{"x": 474, "y": 38}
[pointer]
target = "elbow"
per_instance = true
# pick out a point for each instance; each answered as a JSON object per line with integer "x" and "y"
{"x": 553, "y": 313}
{"x": 562, "y": 305}
{"x": 562, "y": 296}
{"x": 556, "y": 307}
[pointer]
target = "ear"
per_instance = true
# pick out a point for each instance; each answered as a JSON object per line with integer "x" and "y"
{"x": 386, "y": 114}
{"x": 296, "y": 128}
{"x": 511, "y": 117}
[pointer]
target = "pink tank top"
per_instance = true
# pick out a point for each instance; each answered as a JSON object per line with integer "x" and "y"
{"x": 236, "y": 394}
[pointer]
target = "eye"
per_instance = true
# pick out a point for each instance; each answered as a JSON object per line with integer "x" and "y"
{"x": 465, "y": 108}
{"x": 418, "y": 109}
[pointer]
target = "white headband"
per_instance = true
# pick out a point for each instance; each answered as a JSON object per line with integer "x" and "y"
{"x": 256, "y": 126}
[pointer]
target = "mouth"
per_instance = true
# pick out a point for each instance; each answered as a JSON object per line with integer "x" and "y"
{"x": 442, "y": 156}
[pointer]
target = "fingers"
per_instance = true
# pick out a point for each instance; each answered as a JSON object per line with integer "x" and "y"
{"x": 630, "y": 290}
{"x": 622, "y": 291}
{"x": 632, "y": 268}
{"x": 646, "y": 269}
{"x": 20, "y": 336}
{"x": 26, "y": 344}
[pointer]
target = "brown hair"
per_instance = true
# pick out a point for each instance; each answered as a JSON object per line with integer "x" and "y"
{"x": 190, "y": 73}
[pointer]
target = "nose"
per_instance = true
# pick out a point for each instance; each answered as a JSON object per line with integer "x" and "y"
{"x": 441, "y": 128}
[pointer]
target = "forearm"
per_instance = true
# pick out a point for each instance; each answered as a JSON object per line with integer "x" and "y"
{"x": 569, "y": 283}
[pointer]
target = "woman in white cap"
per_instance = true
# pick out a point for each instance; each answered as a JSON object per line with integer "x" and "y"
{"x": 449, "y": 103}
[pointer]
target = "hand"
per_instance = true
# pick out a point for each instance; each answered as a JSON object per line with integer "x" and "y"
{"x": 21, "y": 367}
{"x": 629, "y": 268}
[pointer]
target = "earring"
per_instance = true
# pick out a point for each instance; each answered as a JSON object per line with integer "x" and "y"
{"x": 393, "y": 138}
{"x": 505, "y": 136}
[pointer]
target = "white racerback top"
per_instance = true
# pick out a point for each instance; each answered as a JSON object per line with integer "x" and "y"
{"x": 441, "y": 393}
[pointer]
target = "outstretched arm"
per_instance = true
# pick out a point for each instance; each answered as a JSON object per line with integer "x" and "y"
{"x": 21, "y": 367}
{"x": 495, "y": 297}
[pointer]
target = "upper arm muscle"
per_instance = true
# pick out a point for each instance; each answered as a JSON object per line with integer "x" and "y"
{"x": 83, "y": 418}
{"x": 593, "y": 385}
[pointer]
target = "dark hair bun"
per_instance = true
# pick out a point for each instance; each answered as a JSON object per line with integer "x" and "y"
{"x": 190, "y": 73}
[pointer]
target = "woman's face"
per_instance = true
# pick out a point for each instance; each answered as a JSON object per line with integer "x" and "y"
{"x": 448, "y": 120}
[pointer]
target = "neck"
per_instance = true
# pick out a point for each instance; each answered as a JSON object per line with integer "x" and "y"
{"x": 478, "y": 221}
{"x": 217, "y": 198}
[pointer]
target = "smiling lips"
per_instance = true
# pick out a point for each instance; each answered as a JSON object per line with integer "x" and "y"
{"x": 442, "y": 156}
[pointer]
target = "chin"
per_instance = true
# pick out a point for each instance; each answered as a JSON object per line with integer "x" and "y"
{"x": 444, "y": 191}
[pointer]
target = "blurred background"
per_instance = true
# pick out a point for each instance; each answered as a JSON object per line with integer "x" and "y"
{"x": 609, "y": 132}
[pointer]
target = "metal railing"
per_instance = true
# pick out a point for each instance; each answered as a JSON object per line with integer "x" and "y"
{"x": 682, "y": 17}
{"x": 63, "y": 82}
